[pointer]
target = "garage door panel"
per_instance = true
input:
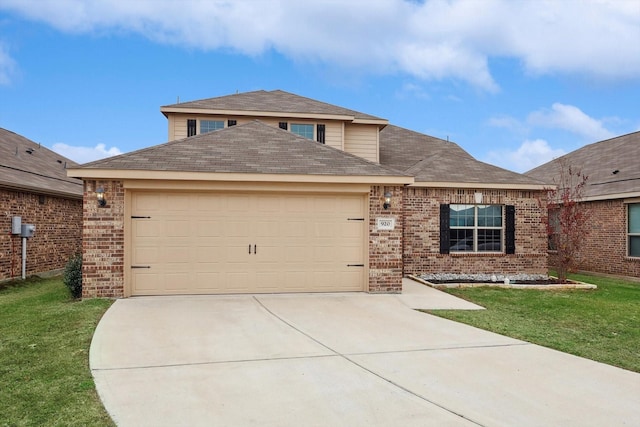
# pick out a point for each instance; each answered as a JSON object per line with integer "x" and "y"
{"x": 207, "y": 243}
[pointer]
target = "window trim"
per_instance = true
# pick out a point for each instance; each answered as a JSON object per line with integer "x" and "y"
{"x": 209, "y": 120}
{"x": 507, "y": 235}
{"x": 309, "y": 125}
{"x": 628, "y": 230}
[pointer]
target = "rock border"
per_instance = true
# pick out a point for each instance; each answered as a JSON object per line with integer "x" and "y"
{"x": 573, "y": 284}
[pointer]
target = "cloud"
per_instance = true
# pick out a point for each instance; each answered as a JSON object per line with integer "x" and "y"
{"x": 526, "y": 157}
{"x": 430, "y": 40}
{"x": 7, "y": 66}
{"x": 85, "y": 154}
{"x": 572, "y": 119}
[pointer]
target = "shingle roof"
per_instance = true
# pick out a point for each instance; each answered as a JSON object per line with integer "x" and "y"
{"x": 26, "y": 165}
{"x": 276, "y": 101}
{"x": 253, "y": 147}
{"x": 431, "y": 159}
{"x": 599, "y": 161}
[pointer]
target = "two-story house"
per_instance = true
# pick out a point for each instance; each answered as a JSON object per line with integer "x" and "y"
{"x": 268, "y": 191}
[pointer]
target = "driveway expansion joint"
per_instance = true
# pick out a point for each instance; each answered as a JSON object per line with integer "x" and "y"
{"x": 347, "y": 358}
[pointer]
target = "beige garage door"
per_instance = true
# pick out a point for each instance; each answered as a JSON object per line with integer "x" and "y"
{"x": 203, "y": 243}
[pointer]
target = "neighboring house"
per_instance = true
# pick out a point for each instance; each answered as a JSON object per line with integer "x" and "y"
{"x": 34, "y": 186}
{"x": 268, "y": 191}
{"x": 612, "y": 195}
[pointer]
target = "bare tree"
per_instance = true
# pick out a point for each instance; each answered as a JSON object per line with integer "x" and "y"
{"x": 567, "y": 217}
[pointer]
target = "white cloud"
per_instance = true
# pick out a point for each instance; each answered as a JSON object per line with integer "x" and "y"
{"x": 572, "y": 119}
{"x": 85, "y": 154}
{"x": 526, "y": 157}
{"x": 7, "y": 66}
{"x": 431, "y": 40}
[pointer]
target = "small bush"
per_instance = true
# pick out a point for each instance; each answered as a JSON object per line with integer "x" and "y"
{"x": 73, "y": 276}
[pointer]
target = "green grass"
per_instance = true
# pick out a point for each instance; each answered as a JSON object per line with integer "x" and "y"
{"x": 44, "y": 356}
{"x": 602, "y": 324}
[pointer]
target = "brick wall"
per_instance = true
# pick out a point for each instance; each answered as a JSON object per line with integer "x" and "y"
{"x": 385, "y": 246}
{"x": 604, "y": 248}
{"x": 103, "y": 241}
{"x": 422, "y": 233}
{"x": 58, "y": 222}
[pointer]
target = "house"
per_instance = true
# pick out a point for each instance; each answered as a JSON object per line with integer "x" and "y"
{"x": 612, "y": 195}
{"x": 268, "y": 191}
{"x": 34, "y": 186}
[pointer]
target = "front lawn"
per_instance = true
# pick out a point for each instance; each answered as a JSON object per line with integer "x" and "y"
{"x": 44, "y": 356}
{"x": 602, "y": 324}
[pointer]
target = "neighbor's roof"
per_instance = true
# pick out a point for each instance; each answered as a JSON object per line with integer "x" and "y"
{"x": 26, "y": 165}
{"x": 612, "y": 167}
{"x": 251, "y": 148}
{"x": 276, "y": 102}
{"x": 433, "y": 160}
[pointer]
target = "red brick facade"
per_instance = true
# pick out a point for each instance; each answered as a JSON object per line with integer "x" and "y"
{"x": 385, "y": 246}
{"x": 422, "y": 233}
{"x": 103, "y": 241}
{"x": 58, "y": 235}
{"x": 604, "y": 248}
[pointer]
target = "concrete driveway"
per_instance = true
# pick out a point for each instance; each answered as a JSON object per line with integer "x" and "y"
{"x": 339, "y": 360}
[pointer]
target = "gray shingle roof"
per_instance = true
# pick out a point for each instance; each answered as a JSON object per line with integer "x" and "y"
{"x": 598, "y": 161}
{"x": 431, "y": 159}
{"x": 26, "y": 165}
{"x": 253, "y": 147}
{"x": 276, "y": 101}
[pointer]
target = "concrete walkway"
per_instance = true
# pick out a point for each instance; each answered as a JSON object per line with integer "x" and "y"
{"x": 338, "y": 360}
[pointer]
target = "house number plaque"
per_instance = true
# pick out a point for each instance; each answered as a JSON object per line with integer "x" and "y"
{"x": 385, "y": 223}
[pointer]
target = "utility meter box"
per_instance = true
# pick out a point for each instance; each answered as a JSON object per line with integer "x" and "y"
{"x": 16, "y": 225}
{"x": 28, "y": 230}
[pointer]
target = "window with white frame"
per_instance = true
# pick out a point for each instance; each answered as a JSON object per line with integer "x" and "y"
{"x": 210, "y": 125}
{"x": 475, "y": 228}
{"x": 633, "y": 227}
{"x": 304, "y": 130}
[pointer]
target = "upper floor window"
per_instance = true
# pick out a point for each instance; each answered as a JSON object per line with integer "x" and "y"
{"x": 634, "y": 229}
{"x": 303, "y": 130}
{"x": 210, "y": 125}
{"x": 475, "y": 228}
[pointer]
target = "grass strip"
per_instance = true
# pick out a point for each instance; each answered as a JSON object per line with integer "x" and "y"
{"x": 44, "y": 356}
{"x": 601, "y": 325}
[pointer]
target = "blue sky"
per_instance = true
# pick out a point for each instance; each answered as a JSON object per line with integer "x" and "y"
{"x": 515, "y": 83}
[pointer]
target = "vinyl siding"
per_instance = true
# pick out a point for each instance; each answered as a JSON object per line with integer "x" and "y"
{"x": 362, "y": 141}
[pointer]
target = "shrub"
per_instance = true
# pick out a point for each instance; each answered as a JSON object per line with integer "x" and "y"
{"x": 73, "y": 275}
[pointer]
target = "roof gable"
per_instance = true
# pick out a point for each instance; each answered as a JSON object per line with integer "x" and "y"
{"x": 275, "y": 101}
{"x": 251, "y": 148}
{"x": 612, "y": 166}
{"x": 26, "y": 165}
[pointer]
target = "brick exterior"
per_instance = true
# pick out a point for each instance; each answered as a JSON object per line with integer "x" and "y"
{"x": 604, "y": 248}
{"x": 422, "y": 233}
{"x": 58, "y": 222}
{"x": 103, "y": 241}
{"x": 385, "y": 246}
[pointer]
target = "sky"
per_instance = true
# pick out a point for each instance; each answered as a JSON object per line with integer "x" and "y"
{"x": 515, "y": 83}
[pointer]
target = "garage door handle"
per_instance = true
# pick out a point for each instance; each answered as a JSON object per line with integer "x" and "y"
{"x": 355, "y": 265}
{"x": 140, "y": 266}
{"x": 255, "y": 249}
{"x": 249, "y": 249}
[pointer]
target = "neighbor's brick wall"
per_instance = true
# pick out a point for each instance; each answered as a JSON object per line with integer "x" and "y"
{"x": 604, "y": 248}
{"x": 422, "y": 233}
{"x": 385, "y": 247}
{"x": 58, "y": 222}
{"x": 103, "y": 241}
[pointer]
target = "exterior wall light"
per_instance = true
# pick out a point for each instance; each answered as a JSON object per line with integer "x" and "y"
{"x": 100, "y": 196}
{"x": 387, "y": 200}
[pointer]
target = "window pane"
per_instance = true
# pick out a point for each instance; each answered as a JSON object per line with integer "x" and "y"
{"x": 634, "y": 218}
{"x": 490, "y": 216}
{"x": 210, "y": 125}
{"x": 461, "y": 240}
{"x": 489, "y": 240}
{"x": 461, "y": 216}
{"x": 634, "y": 246}
{"x": 305, "y": 131}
